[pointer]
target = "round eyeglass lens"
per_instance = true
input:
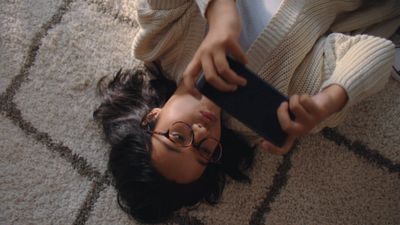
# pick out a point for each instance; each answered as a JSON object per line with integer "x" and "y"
{"x": 181, "y": 134}
{"x": 210, "y": 149}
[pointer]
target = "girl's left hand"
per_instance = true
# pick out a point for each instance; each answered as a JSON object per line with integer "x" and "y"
{"x": 309, "y": 111}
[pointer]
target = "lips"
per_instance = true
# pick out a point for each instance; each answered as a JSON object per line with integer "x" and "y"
{"x": 209, "y": 116}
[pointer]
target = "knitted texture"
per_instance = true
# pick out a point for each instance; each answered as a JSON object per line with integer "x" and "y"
{"x": 53, "y": 159}
{"x": 293, "y": 40}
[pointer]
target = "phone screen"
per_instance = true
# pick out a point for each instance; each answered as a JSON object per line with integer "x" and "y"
{"x": 254, "y": 104}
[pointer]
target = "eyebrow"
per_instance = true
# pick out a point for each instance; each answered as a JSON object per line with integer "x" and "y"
{"x": 172, "y": 149}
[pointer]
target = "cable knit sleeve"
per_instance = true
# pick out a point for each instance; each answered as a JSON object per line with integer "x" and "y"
{"x": 170, "y": 32}
{"x": 372, "y": 13}
{"x": 161, "y": 26}
{"x": 360, "y": 64}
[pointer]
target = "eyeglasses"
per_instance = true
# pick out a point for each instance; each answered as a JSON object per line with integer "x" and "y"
{"x": 182, "y": 135}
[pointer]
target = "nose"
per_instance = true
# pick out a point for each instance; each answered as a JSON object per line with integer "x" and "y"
{"x": 200, "y": 131}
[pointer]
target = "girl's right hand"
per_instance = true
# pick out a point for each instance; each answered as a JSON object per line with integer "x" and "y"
{"x": 222, "y": 38}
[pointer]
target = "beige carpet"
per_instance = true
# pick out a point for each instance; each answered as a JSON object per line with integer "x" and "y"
{"x": 53, "y": 160}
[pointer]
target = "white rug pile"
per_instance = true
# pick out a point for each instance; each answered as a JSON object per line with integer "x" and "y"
{"x": 53, "y": 161}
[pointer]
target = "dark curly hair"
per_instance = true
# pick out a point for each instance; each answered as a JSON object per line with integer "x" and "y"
{"x": 142, "y": 191}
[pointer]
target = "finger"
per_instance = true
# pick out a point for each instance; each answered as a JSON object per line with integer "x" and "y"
{"x": 300, "y": 113}
{"x": 226, "y": 72}
{"x": 287, "y": 125}
{"x": 283, "y": 119}
{"x": 309, "y": 105}
{"x": 265, "y": 145}
{"x": 237, "y": 52}
{"x": 190, "y": 74}
{"x": 268, "y": 146}
{"x": 213, "y": 78}
{"x": 288, "y": 145}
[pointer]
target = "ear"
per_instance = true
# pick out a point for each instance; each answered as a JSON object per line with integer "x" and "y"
{"x": 151, "y": 116}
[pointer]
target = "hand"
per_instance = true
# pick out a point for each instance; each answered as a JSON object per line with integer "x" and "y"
{"x": 221, "y": 39}
{"x": 309, "y": 111}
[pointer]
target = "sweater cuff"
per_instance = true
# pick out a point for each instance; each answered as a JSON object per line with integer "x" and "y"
{"x": 362, "y": 65}
{"x": 166, "y": 4}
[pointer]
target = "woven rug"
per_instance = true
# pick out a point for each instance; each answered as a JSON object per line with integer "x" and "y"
{"x": 53, "y": 160}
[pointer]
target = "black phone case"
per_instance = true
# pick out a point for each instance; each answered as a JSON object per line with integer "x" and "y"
{"x": 255, "y": 104}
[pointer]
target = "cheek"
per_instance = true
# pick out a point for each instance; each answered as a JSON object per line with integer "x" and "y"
{"x": 176, "y": 115}
{"x": 179, "y": 167}
{"x": 190, "y": 171}
{"x": 181, "y": 109}
{"x": 216, "y": 132}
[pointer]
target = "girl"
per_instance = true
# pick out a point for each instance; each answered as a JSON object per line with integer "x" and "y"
{"x": 169, "y": 146}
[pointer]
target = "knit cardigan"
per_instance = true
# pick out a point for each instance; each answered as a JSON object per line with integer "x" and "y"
{"x": 299, "y": 51}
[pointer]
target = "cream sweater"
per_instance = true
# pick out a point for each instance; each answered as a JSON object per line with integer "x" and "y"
{"x": 299, "y": 51}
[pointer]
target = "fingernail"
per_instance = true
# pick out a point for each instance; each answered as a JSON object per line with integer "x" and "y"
{"x": 264, "y": 145}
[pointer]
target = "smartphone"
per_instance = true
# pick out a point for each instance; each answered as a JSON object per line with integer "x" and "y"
{"x": 254, "y": 104}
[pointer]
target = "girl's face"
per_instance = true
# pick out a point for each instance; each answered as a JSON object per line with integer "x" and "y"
{"x": 184, "y": 164}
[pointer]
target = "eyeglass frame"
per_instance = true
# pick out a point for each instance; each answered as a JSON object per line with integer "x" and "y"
{"x": 192, "y": 142}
